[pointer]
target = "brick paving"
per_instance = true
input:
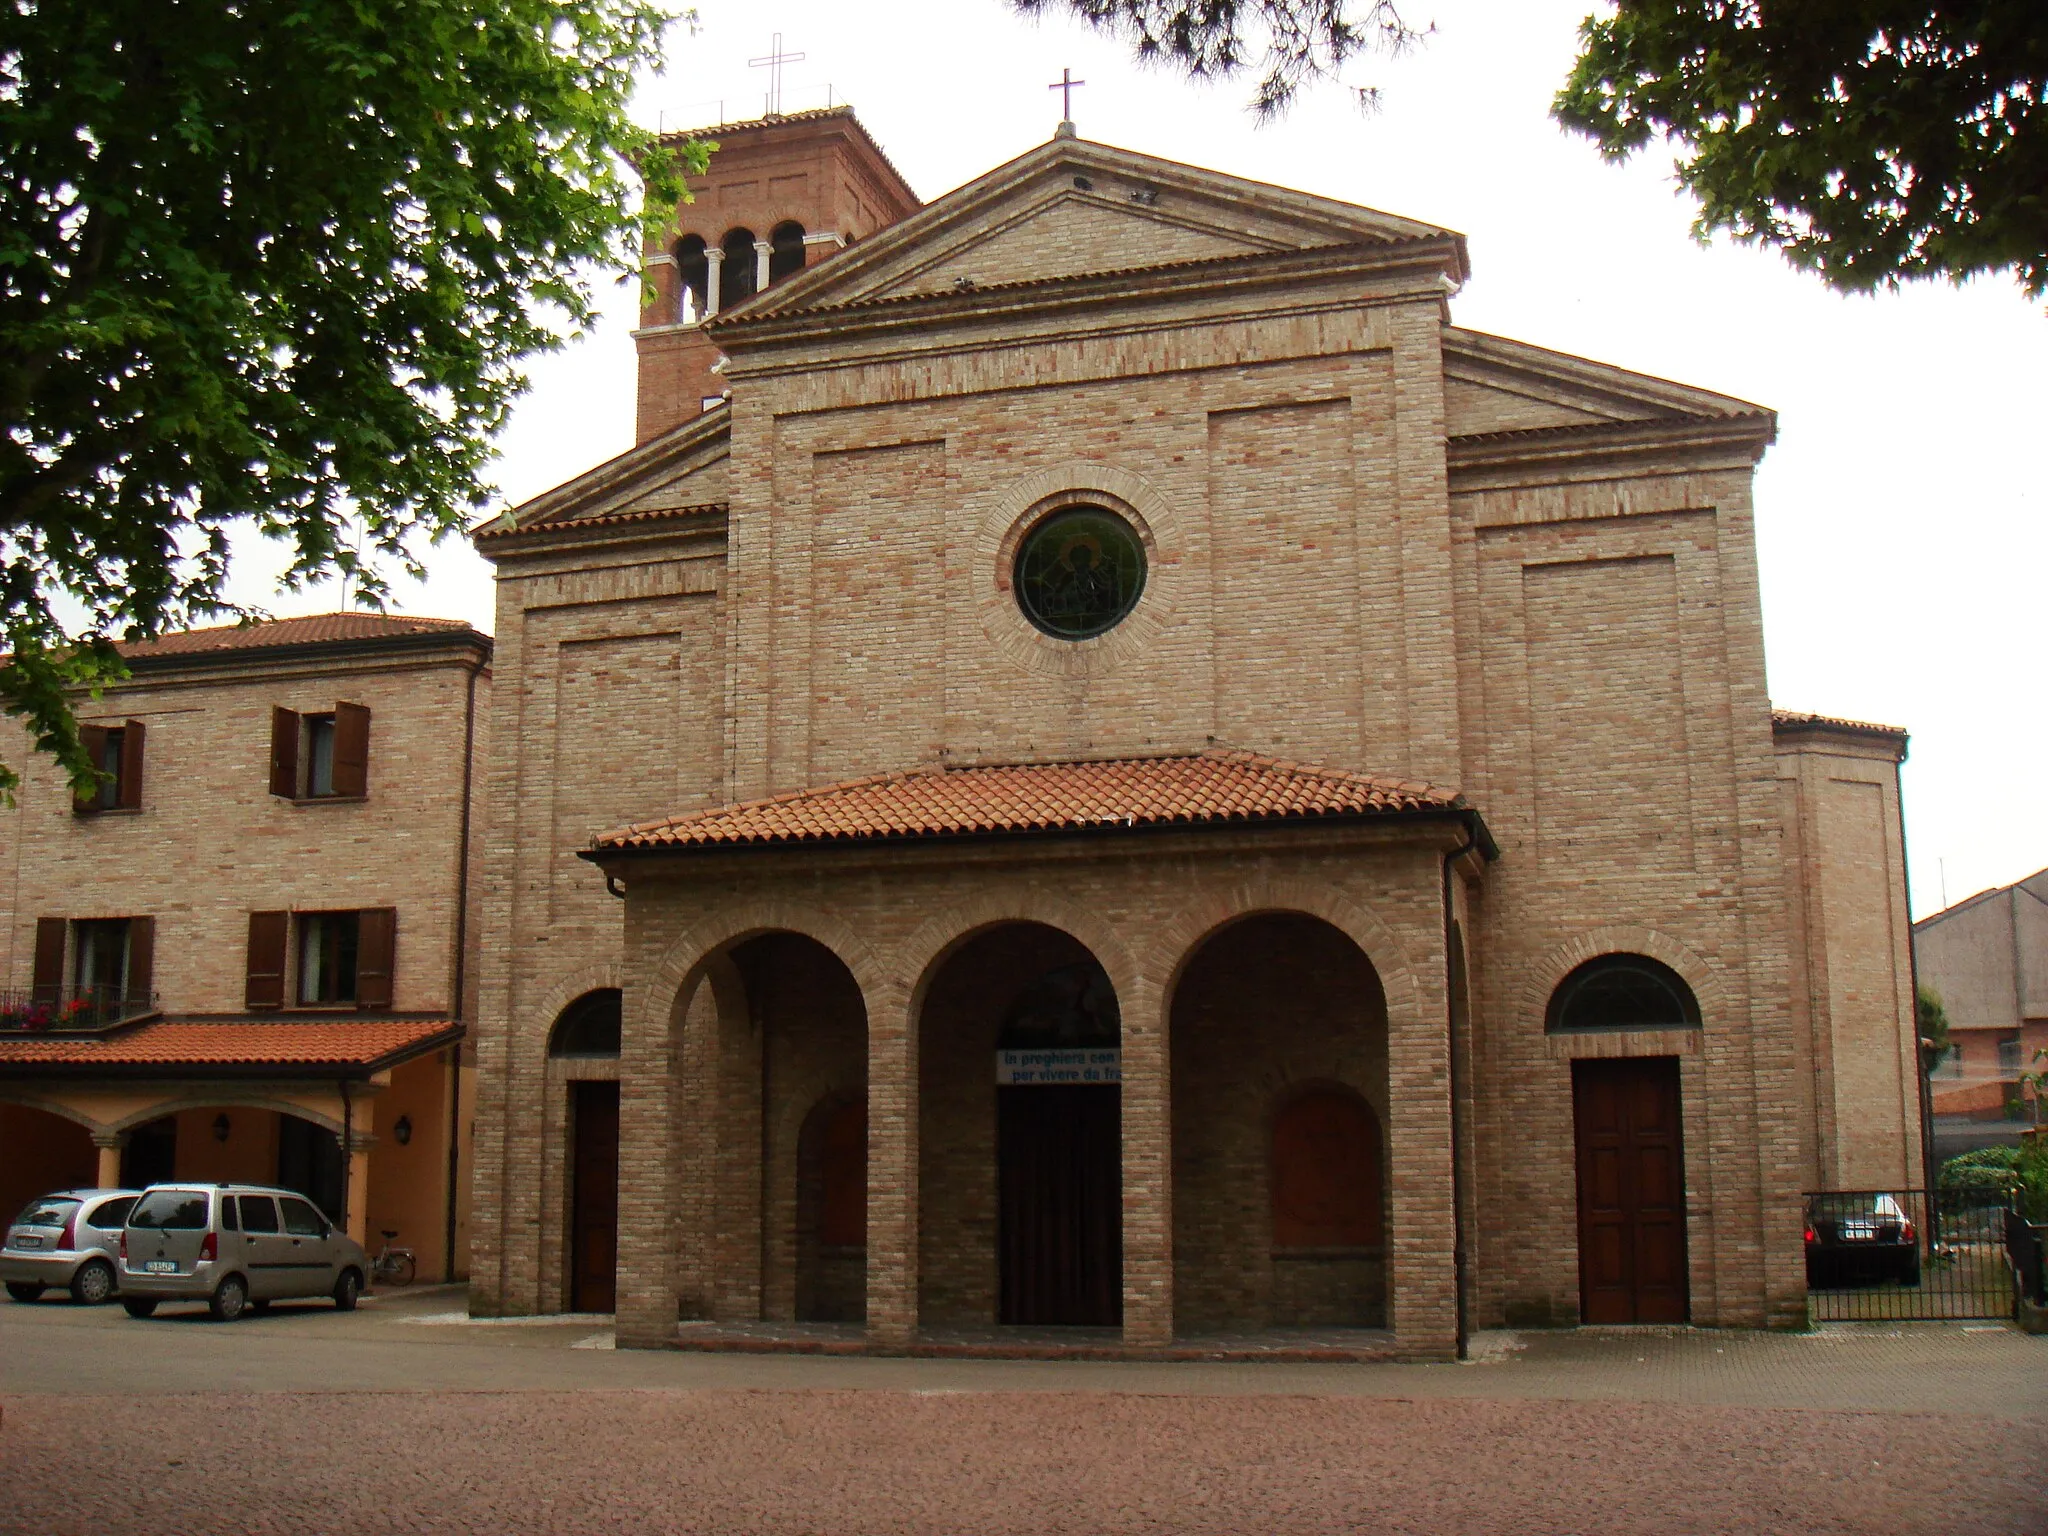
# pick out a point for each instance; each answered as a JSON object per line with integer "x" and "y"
{"x": 306, "y": 1421}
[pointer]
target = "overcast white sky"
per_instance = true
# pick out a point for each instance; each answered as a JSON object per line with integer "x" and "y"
{"x": 1900, "y": 514}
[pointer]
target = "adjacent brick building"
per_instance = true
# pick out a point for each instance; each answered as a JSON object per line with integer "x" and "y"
{"x": 1986, "y": 958}
{"x": 251, "y": 956}
{"x": 1132, "y": 773}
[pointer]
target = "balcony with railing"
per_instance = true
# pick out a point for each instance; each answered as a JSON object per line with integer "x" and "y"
{"x": 71, "y": 1010}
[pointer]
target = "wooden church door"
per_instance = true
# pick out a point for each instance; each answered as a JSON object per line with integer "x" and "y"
{"x": 1631, "y": 1167}
{"x": 594, "y": 1198}
{"x": 1060, "y": 1223}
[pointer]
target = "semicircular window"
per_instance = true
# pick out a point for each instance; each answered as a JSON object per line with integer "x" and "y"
{"x": 588, "y": 1029}
{"x": 1070, "y": 1007}
{"x": 1616, "y": 992}
{"x": 1079, "y": 572}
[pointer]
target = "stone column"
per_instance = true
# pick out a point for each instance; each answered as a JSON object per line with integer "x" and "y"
{"x": 762, "y": 252}
{"x": 714, "y": 264}
{"x": 108, "y": 1144}
{"x": 358, "y": 1217}
{"x": 1422, "y": 1235}
{"x": 892, "y": 1170}
{"x": 1147, "y": 1168}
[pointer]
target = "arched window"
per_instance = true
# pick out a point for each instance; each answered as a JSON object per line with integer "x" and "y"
{"x": 1621, "y": 992}
{"x": 588, "y": 1028}
{"x": 695, "y": 273}
{"x": 787, "y": 255}
{"x": 736, "y": 277}
{"x": 1326, "y": 1171}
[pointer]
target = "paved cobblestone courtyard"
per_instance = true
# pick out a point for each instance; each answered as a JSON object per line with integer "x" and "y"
{"x": 406, "y": 1418}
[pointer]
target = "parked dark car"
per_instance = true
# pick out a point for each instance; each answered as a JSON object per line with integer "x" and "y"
{"x": 1859, "y": 1239}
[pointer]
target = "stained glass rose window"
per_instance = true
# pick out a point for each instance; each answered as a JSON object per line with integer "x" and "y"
{"x": 1079, "y": 572}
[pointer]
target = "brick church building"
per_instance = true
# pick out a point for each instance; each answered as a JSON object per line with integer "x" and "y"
{"x": 1105, "y": 770}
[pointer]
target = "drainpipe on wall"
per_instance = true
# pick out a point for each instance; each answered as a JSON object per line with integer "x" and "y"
{"x": 459, "y": 979}
{"x": 1460, "y": 1278}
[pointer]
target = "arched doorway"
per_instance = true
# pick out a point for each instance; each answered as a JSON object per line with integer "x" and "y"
{"x": 1021, "y": 1134}
{"x": 1628, "y": 1139}
{"x": 587, "y": 1033}
{"x": 1279, "y": 1052}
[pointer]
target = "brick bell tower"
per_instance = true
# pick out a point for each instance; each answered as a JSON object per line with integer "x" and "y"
{"x": 782, "y": 193}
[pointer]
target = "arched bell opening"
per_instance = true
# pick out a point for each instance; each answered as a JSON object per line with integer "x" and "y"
{"x": 785, "y": 250}
{"x": 737, "y": 278}
{"x": 1020, "y": 1137}
{"x": 1279, "y": 1051}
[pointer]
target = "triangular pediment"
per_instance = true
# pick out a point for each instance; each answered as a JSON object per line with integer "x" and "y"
{"x": 1492, "y": 384}
{"x": 683, "y": 470}
{"x": 1071, "y": 208}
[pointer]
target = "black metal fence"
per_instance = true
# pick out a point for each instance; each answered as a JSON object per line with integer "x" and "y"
{"x": 1895, "y": 1255}
{"x": 90, "y": 1006}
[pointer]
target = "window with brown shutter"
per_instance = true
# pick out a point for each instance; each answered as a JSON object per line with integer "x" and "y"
{"x": 351, "y": 750}
{"x": 284, "y": 754}
{"x": 269, "y": 938}
{"x": 128, "y": 784}
{"x": 376, "y": 948}
{"x": 49, "y": 971}
{"x": 141, "y": 962}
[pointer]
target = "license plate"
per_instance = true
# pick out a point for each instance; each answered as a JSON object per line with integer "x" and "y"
{"x": 1859, "y": 1231}
{"x": 160, "y": 1266}
{"x": 28, "y": 1242}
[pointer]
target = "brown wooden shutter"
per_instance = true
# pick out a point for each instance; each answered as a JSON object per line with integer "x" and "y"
{"x": 141, "y": 958}
{"x": 351, "y": 750}
{"x": 130, "y": 798}
{"x": 49, "y": 972}
{"x": 376, "y": 947}
{"x": 268, "y": 933}
{"x": 284, "y": 753}
{"x": 94, "y": 739}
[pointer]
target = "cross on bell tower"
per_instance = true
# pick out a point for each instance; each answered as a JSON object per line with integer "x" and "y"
{"x": 1065, "y": 86}
{"x": 773, "y": 61}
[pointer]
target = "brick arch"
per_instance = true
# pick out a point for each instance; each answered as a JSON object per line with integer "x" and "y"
{"x": 920, "y": 956}
{"x": 232, "y": 1099}
{"x": 591, "y": 978}
{"x": 675, "y": 975}
{"x": 1547, "y": 973}
{"x": 27, "y": 1100}
{"x": 1182, "y": 937}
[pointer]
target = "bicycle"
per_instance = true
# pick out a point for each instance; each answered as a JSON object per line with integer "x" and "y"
{"x": 394, "y": 1265}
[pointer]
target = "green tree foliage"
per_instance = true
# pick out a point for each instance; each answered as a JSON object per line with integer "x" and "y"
{"x": 278, "y": 261}
{"x": 1873, "y": 140}
{"x": 1295, "y": 42}
{"x": 1932, "y": 1022}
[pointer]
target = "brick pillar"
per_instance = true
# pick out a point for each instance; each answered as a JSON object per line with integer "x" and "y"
{"x": 651, "y": 1162}
{"x": 1147, "y": 1168}
{"x": 1424, "y": 1310}
{"x": 892, "y": 1278}
{"x": 108, "y": 1145}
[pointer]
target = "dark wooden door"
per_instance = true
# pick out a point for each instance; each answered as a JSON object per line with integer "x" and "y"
{"x": 594, "y": 1198}
{"x": 1060, "y": 1226}
{"x": 1631, "y": 1191}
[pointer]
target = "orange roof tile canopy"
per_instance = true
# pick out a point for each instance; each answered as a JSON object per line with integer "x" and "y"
{"x": 313, "y": 629}
{"x": 1197, "y": 789}
{"x": 323, "y": 1048}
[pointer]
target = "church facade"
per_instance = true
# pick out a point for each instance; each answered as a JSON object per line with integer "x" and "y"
{"x": 1103, "y": 766}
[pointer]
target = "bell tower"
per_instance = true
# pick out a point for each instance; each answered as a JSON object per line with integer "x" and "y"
{"x": 782, "y": 193}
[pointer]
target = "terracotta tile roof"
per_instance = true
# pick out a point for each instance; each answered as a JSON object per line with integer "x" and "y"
{"x": 602, "y": 520}
{"x": 1190, "y": 790}
{"x": 314, "y": 629}
{"x": 289, "y": 1045}
{"x": 1793, "y": 720}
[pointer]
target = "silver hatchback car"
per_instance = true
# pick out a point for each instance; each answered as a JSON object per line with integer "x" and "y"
{"x": 234, "y": 1247}
{"x": 67, "y": 1241}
